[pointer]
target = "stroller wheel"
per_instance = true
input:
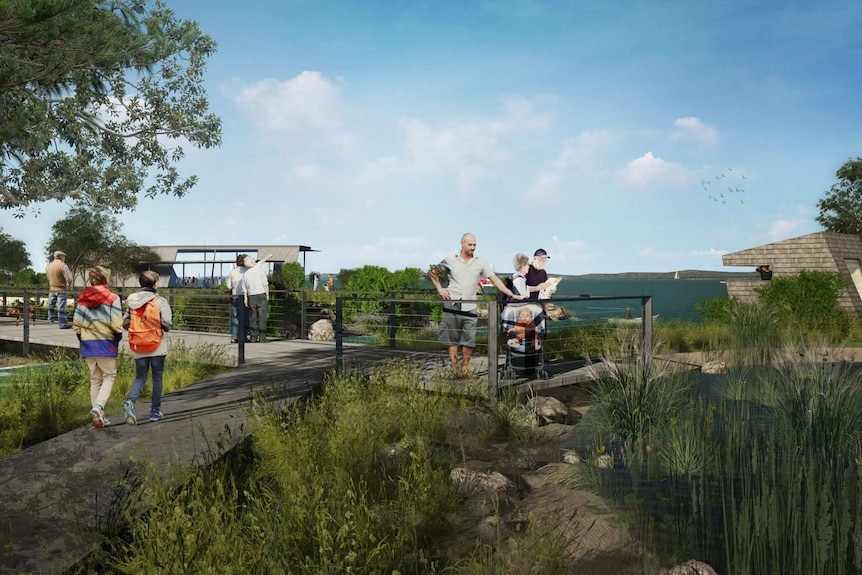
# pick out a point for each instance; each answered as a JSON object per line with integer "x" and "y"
{"x": 542, "y": 374}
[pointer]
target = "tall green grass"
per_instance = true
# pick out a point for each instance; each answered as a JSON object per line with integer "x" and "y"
{"x": 41, "y": 402}
{"x": 765, "y": 477}
{"x": 354, "y": 481}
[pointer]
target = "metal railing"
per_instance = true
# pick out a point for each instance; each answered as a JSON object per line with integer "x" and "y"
{"x": 394, "y": 326}
{"x": 396, "y": 320}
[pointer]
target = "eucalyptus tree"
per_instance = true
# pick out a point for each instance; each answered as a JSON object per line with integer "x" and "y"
{"x": 97, "y": 100}
{"x": 92, "y": 237}
{"x": 841, "y": 209}
{"x": 13, "y": 254}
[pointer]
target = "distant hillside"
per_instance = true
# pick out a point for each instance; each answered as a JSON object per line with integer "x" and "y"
{"x": 683, "y": 275}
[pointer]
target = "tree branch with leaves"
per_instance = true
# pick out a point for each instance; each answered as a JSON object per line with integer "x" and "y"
{"x": 97, "y": 100}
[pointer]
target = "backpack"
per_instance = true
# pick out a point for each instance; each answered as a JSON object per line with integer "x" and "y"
{"x": 503, "y": 299}
{"x": 145, "y": 327}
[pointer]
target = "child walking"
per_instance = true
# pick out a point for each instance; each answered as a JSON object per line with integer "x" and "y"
{"x": 98, "y": 323}
{"x": 147, "y": 343}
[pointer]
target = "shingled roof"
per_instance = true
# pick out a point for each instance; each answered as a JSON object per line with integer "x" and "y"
{"x": 820, "y": 251}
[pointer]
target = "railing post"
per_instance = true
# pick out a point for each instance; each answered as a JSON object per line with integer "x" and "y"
{"x": 339, "y": 333}
{"x": 646, "y": 323}
{"x": 493, "y": 326}
{"x": 25, "y": 305}
{"x": 392, "y": 326}
{"x": 171, "y": 297}
{"x": 303, "y": 316}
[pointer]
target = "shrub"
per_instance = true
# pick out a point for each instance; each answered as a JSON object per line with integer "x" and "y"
{"x": 291, "y": 277}
{"x": 637, "y": 392}
{"x": 715, "y": 309}
{"x": 808, "y": 301}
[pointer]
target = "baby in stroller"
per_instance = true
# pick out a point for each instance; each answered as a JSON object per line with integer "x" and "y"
{"x": 523, "y": 333}
{"x": 523, "y": 325}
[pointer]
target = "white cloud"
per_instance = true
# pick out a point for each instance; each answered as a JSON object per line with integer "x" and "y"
{"x": 582, "y": 151}
{"x": 465, "y": 149}
{"x": 387, "y": 252}
{"x": 544, "y": 188}
{"x": 308, "y": 101}
{"x": 650, "y": 171}
{"x": 711, "y": 252}
{"x": 308, "y": 171}
{"x": 784, "y": 229}
{"x": 693, "y": 129}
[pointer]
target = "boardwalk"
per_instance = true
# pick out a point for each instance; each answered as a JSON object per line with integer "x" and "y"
{"x": 56, "y": 493}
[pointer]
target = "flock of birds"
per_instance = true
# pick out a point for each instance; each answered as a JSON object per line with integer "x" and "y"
{"x": 734, "y": 193}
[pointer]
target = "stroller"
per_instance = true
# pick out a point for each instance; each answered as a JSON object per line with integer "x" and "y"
{"x": 523, "y": 337}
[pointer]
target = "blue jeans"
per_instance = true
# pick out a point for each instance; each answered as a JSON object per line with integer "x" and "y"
{"x": 236, "y": 307}
{"x": 142, "y": 367}
{"x": 57, "y": 299}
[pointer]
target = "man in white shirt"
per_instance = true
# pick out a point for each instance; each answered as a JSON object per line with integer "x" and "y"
{"x": 458, "y": 326}
{"x": 255, "y": 290}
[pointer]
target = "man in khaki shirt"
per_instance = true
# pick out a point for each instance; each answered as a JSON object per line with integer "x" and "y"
{"x": 59, "y": 278}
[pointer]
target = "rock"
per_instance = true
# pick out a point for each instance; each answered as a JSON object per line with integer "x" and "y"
{"x": 714, "y": 367}
{"x": 550, "y": 410}
{"x": 571, "y": 457}
{"x": 321, "y": 330}
{"x": 555, "y": 312}
{"x": 475, "y": 482}
{"x": 691, "y": 567}
{"x": 604, "y": 462}
{"x": 493, "y": 529}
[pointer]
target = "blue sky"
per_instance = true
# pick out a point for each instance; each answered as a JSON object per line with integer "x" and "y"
{"x": 379, "y": 132}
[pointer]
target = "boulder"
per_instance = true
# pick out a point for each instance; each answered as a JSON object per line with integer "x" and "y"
{"x": 321, "y": 330}
{"x": 714, "y": 367}
{"x": 476, "y": 482}
{"x": 691, "y": 567}
{"x": 555, "y": 312}
{"x": 571, "y": 457}
{"x": 550, "y": 410}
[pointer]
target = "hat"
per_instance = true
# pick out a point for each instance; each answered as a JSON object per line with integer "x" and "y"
{"x": 540, "y": 253}
{"x": 59, "y": 254}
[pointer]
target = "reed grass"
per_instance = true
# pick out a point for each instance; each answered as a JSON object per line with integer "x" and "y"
{"x": 47, "y": 400}
{"x": 354, "y": 481}
{"x": 765, "y": 477}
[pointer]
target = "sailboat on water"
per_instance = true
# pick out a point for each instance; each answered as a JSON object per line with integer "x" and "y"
{"x": 676, "y": 275}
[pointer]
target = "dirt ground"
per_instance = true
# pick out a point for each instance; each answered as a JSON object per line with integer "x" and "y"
{"x": 599, "y": 540}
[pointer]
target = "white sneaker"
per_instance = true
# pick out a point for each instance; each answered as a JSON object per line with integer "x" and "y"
{"x": 98, "y": 417}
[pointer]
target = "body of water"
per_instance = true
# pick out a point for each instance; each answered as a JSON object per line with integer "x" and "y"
{"x": 672, "y": 299}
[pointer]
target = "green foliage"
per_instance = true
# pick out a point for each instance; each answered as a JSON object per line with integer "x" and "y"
{"x": 808, "y": 301}
{"x": 755, "y": 331}
{"x": 28, "y": 277}
{"x": 353, "y": 483}
{"x": 42, "y": 401}
{"x": 13, "y": 254}
{"x": 841, "y": 209}
{"x": 90, "y": 238}
{"x": 292, "y": 277}
{"x": 714, "y": 310}
{"x": 344, "y": 276}
{"x": 95, "y": 97}
{"x": 636, "y": 393}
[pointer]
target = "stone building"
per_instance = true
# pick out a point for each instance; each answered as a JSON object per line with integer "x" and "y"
{"x": 821, "y": 251}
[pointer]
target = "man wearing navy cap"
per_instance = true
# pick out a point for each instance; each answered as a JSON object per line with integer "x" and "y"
{"x": 537, "y": 277}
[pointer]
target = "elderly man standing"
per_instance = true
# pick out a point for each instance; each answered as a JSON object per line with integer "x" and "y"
{"x": 537, "y": 277}
{"x": 255, "y": 289}
{"x": 458, "y": 326}
{"x": 59, "y": 279}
